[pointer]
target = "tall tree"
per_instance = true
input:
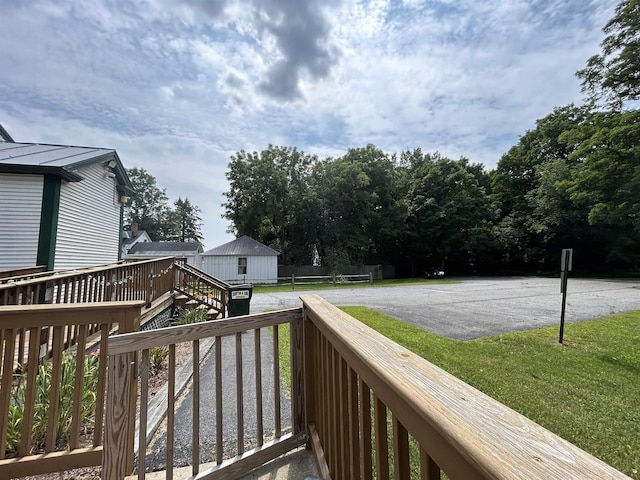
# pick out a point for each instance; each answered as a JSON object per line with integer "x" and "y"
{"x": 450, "y": 216}
{"x": 267, "y": 200}
{"x": 607, "y": 181}
{"x": 187, "y": 217}
{"x": 522, "y": 228}
{"x": 149, "y": 206}
{"x": 614, "y": 75}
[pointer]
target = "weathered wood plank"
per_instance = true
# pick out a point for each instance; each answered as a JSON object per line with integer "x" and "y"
{"x": 114, "y": 462}
{"x": 401, "y": 467}
{"x": 277, "y": 414}
{"x": 30, "y": 392}
{"x": 195, "y": 438}
{"x": 50, "y": 462}
{"x": 318, "y": 453}
{"x": 381, "y": 439}
{"x": 364, "y": 421}
{"x": 251, "y": 459}
{"x": 171, "y": 396}
{"x": 186, "y": 333}
{"x": 467, "y": 433}
{"x": 60, "y": 315}
{"x": 7, "y": 378}
{"x": 258, "y": 373}
{"x": 144, "y": 405}
{"x": 239, "y": 395}
{"x": 429, "y": 470}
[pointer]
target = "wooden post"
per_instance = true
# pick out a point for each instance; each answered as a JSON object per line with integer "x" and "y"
{"x": 370, "y": 278}
{"x": 293, "y": 281}
{"x": 114, "y": 464}
{"x": 297, "y": 377}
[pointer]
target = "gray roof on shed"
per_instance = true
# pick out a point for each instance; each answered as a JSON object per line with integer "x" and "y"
{"x": 60, "y": 160}
{"x": 243, "y": 246}
{"x": 166, "y": 248}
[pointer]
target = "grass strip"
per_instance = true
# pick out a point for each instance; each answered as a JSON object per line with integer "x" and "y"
{"x": 585, "y": 391}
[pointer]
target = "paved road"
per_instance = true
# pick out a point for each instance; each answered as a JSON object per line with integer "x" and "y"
{"x": 478, "y": 307}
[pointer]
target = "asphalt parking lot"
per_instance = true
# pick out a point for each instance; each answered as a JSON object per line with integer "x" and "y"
{"x": 478, "y": 307}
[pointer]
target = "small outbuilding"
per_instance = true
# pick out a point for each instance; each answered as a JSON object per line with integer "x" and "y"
{"x": 243, "y": 260}
{"x": 60, "y": 206}
{"x": 147, "y": 250}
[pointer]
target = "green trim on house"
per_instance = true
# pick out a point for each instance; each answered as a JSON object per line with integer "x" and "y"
{"x": 120, "y": 232}
{"x": 49, "y": 221}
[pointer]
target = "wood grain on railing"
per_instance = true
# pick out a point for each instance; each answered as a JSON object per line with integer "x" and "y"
{"x": 143, "y": 280}
{"x": 38, "y": 337}
{"x": 461, "y": 430}
{"x": 122, "y": 347}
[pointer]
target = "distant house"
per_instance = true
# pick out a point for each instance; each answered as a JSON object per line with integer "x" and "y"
{"x": 189, "y": 250}
{"x": 133, "y": 236}
{"x": 60, "y": 206}
{"x": 243, "y": 260}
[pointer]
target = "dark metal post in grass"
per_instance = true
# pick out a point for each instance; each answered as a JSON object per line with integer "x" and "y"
{"x": 565, "y": 267}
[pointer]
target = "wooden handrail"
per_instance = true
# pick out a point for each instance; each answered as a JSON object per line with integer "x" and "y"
{"x": 62, "y": 337}
{"x": 17, "y": 273}
{"x": 120, "y": 417}
{"x": 146, "y": 280}
{"x": 202, "y": 288}
{"x": 462, "y": 431}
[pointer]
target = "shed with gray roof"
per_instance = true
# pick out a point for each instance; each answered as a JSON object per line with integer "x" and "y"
{"x": 145, "y": 250}
{"x": 243, "y": 260}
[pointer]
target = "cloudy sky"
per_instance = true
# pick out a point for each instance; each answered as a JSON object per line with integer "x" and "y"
{"x": 178, "y": 86}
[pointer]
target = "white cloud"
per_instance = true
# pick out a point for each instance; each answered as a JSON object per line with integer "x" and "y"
{"x": 178, "y": 86}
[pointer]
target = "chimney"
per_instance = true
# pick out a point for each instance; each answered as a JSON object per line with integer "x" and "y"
{"x": 134, "y": 230}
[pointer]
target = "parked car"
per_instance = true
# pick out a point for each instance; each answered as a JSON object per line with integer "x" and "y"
{"x": 435, "y": 273}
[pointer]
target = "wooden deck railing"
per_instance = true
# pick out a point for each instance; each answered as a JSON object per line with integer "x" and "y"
{"x": 45, "y": 352}
{"x": 270, "y": 441}
{"x": 369, "y": 408}
{"x": 375, "y": 409}
{"x": 145, "y": 280}
{"x": 20, "y": 273}
{"x": 203, "y": 288}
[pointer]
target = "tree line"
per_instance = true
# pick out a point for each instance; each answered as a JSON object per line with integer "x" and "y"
{"x": 150, "y": 209}
{"x": 572, "y": 182}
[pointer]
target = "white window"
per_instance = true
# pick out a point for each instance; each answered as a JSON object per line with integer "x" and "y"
{"x": 242, "y": 265}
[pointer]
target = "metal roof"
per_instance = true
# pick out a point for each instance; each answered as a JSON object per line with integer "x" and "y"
{"x": 60, "y": 160}
{"x": 243, "y": 246}
{"x": 165, "y": 248}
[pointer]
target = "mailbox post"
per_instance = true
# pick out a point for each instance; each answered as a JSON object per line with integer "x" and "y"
{"x": 566, "y": 263}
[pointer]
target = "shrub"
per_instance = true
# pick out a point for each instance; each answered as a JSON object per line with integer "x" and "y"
{"x": 41, "y": 402}
{"x": 156, "y": 357}
{"x": 196, "y": 315}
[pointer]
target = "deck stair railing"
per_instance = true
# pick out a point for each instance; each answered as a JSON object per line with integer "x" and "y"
{"x": 368, "y": 407}
{"x": 202, "y": 289}
{"x": 24, "y": 273}
{"x": 142, "y": 280}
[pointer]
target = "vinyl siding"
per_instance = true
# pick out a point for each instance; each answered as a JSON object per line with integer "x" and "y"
{"x": 260, "y": 269}
{"x": 20, "y": 206}
{"x": 89, "y": 220}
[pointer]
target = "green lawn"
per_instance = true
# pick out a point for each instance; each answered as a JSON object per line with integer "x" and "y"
{"x": 587, "y": 391}
{"x": 394, "y": 282}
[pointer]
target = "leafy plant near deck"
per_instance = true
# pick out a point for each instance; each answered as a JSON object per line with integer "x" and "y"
{"x": 42, "y": 406}
{"x": 187, "y": 317}
{"x": 156, "y": 357}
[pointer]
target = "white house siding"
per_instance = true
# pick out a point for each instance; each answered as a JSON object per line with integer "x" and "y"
{"x": 20, "y": 206}
{"x": 260, "y": 269}
{"x": 89, "y": 220}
